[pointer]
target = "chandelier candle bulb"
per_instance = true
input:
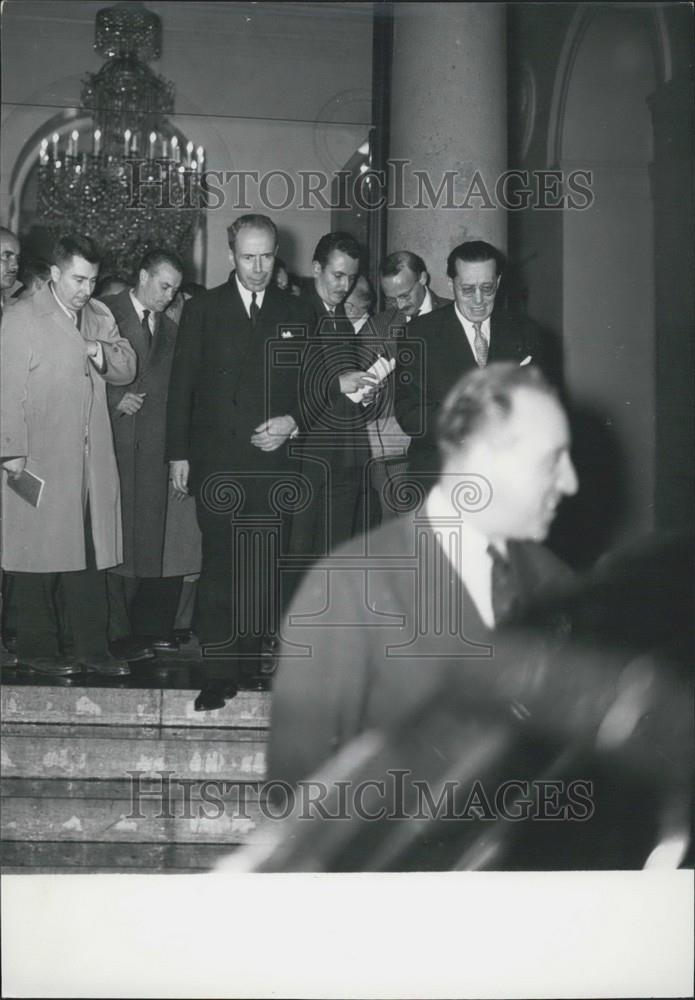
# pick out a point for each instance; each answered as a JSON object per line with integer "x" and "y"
{"x": 189, "y": 153}
{"x": 43, "y": 152}
{"x": 200, "y": 152}
{"x": 54, "y": 140}
{"x": 175, "y": 151}
{"x": 74, "y": 138}
{"x": 165, "y": 149}
{"x": 97, "y": 141}
{"x": 153, "y": 139}
{"x": 126, "y": 141}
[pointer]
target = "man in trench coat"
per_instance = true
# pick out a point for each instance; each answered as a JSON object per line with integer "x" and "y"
{"x": 142, "y": 602}
{"x": 58, "y": 351}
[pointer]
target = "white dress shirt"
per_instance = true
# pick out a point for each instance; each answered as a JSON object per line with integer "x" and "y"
{"x": 466, "y": 549}
{"x": 140, "y": 310}
{"x": 246, "y": 297}
{"x": 426, "y": 306}
{"x": 469, "y": 329}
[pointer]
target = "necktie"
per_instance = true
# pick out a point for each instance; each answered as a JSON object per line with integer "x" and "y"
{"x": 504, "y": 589}
{"x": 254, "y": 310}
{"x": 480, "y": 345}
{"x": 146, "y": 324}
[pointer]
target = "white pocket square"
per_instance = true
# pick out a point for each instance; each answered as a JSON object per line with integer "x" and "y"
{"x": 527, "y": 360}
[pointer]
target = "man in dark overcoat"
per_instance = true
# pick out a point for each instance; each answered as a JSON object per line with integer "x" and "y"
{"x": 233, "y": 408}
{"x": 142, "y": 602}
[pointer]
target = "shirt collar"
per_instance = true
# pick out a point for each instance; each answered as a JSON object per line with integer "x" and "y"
{"x": 68, "y": 312}
{"x": 246, "y": 295}
{"x": 426, "y": 306}
{"x": 468, "y": 326}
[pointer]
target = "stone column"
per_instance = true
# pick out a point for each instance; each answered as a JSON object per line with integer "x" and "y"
{"x": 448, "y": 113}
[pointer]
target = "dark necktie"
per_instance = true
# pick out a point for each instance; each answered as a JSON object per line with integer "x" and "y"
{"x": 504, "y": 588}
{"x": 254, "y": 310}
{"x": 146, "y": 324}
{"x": 480, "y": 345}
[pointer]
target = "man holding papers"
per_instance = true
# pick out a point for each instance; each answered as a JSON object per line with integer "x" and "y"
{"x": 58, "y": 351}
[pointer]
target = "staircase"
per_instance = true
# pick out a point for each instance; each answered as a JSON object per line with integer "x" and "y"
{"x": 109, "y": 779}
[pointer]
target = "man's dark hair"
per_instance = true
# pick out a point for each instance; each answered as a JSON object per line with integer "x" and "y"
{"x": 474, "y": 252}
{"x": 395, "y": 262}
{"x": 160, "y": 255}
{"x": 32, "y": 268}
{"x": 251, "y": 221}
{"x": 4, "y": 231}
{"x": 483, "y": 396}
{"x": 340, "y": 241}
{"x": 364, "y": 291}
{"x": 75, "y": 245}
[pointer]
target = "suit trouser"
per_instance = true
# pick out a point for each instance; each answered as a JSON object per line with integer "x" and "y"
{"x": 142, "y": 606}
{"x": 239, "y": 591}
{"x": 341, "y": 508}
{"x": 83, "y": 593}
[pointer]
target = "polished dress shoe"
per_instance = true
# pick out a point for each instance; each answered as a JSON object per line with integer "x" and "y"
{"x": 161, "y": 645}
{"x": 268, "y": 659}
{"x": 131, "y": 649}
{"x": 106, "y": 666}
{"x": 214, "y": 695}
{"x": 52, "y": 666}
{"x": 9, "y": 641}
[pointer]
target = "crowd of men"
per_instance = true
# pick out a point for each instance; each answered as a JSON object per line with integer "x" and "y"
{"x": 286, "y": 414}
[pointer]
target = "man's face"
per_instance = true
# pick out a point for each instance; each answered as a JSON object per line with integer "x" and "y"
{"x": 475, "y": 287}
{"x": 9, "y": 260}
{"x": 253, "y": 257}
{"x": 74, "y": 281}
{"x": 334, "y": 281}
{"x": 525, "y": 459}
{"x": 157, "y": 288}
{"x": 406, "y": 290}
{"x": 357, "y": 302}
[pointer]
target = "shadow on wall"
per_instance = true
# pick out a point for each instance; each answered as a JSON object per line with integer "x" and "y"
{"x": 587, "y": 523}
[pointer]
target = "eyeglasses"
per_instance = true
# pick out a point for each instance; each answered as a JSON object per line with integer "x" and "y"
{"x": 404, "y": 297}
{"x": 468, "y": 291}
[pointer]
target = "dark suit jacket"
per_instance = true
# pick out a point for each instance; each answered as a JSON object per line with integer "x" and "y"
{"x": 390, "y": 322}
{"x": 227, "y": 378}
{"x": 139, "y": 440}
{"x": 335, "y": 425}
{"x": 369, "y": 639}
{"x": 440, "y": 354}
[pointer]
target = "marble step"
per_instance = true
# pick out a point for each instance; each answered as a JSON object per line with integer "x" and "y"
{"x": 117, "y": 820}
{"x": 156, "y": 707}
{"x": 70, "y": 857}
{"x": 112, "y": 752}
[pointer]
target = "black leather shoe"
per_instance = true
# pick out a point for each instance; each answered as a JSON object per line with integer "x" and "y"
{"x": 163, "y": 645}
{"x": 268, "y": 659}
{"x": 131, "y": 649}
{"x": 214, "y": 695}
{"x": 9, "y": 641}
{"x": 107, "y": 666}
{"x": 52, "y": 666}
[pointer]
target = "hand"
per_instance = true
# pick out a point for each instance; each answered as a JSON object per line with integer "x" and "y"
{"x": 352, "y": 381}
{"x": 93, "y": 348}
{"x": 14, "y": 466}
{"x": 131, "y": 403}
{"x": 178, "y": 476}
{"x": 269, "y": 435}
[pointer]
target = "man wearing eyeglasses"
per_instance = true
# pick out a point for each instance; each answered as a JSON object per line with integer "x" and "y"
{"x": 468, "y": 333}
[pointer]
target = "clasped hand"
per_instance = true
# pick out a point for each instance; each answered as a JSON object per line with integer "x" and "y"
{"x": 272, "y": 433}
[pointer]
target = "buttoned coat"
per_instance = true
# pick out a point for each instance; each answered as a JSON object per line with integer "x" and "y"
{"x": 139, "y": 439}
{"x": 54, "y": 413}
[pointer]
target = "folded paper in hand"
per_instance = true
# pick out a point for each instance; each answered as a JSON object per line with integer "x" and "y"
{"x": 27, "y": 486}
{"x": 381, "y": 369}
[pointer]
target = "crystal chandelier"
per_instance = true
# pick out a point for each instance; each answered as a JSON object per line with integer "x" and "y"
{"x": 130, "y": 183}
